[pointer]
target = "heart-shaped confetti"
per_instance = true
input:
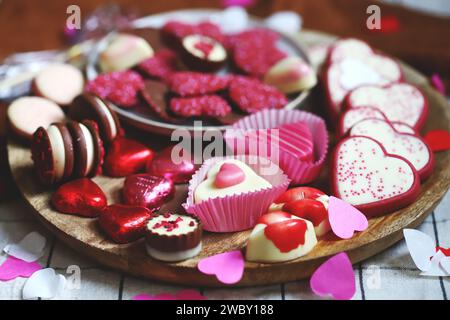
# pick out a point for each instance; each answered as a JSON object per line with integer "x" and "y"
{"x": 80, "y": 197}
{"x": 438, "y": 84}
{"x": 44, "y": 284}
{"x": 421, "y": 247}
{"x": 228, "y": 267}
{"x": 229, "y": 175}
{"x": 335, "y": 277}
{"x": 345, "y": 219}
{"x": 29, "y": 249}
{"x": 438, "y": 140}
{"x": 180, "y": 295}
{"x": 13, "y": 268}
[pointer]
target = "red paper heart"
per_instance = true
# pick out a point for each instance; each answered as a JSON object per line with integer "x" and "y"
{"x": 309, "y": 209}
{"x": 438, "y": 140}
{"x": 229, "y": 175}
{"x": 147, "y": 191}
{"x": 123, "y": 223}
{"x": 82, "y": 197}
{"x": 178, "y": 167}
{"x": 126, "y": 157}
{"x": 445, "y": 251}
{"x": 295, "y": 228}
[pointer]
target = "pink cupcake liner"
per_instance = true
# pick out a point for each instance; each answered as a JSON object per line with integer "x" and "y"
{"x": 300, "y": 172}
{"x": 240, "y": 211}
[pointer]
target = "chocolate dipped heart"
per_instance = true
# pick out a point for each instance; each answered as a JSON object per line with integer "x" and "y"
{"x": 126, "y": 157}
{"x": 408, "y": 146}
{"x": 147, "y": 191}
{"x": 177, "y": 166}
{"x": 353, "y": 63}
{"x": 367, "y": 177}
{"x": 81, "y": 197}
{"x": 398, "y": 102}
{"x": 124, "y": 223}
{"x": 280, "y": 236}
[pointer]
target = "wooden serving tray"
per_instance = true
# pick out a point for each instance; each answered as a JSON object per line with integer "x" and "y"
{"x": 83, "y": 235}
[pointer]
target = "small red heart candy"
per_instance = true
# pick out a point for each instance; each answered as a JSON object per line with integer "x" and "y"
{"x": 177, "y": 166}
{"x": 438, "y": 140}
{"x": 229, "y": 175}
{"x": 147, "y": 191}
{"x": 299, "y": 193}
{"x": 309, "y": 209}
{"x": 287, "y": 235}
{"x": 126, "y": 157}
{"x": 124, "y": 223}
{"x": 81, "y": 197}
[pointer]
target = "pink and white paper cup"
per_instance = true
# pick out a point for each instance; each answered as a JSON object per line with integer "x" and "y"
{"x": 240, "y": 211}
{"x": 299, "y": 171}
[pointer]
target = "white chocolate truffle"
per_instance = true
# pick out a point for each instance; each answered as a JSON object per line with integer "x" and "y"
{"x": 124, "y": 52}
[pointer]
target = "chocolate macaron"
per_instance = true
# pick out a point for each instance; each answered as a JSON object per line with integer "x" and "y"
{"x": 88, "y": 148}
{"x": 53, "y": 154}
{"x": 173, "y": 237}
{"x": 92, "y": 107}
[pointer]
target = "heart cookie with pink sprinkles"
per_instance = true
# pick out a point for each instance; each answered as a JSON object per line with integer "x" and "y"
{"x": 365, "y": 175}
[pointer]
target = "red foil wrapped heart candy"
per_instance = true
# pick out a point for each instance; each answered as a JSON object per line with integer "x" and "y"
{"x": 177, "y": 166}
{"x": 81, "y": 197}
{"x": 147, "y": 191}
{"x": 123, "y": 223}
{"x": 126, "y": 157}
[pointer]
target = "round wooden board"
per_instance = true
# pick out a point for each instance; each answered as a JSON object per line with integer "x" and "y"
{"x": 84, "y": 236}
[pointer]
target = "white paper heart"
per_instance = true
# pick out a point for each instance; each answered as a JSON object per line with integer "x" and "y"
{"x": 435, "y": 269}
{"x": 284, "y": 21}
{"x": 355, "y": 73}
{"x": 29, "y": 249}
{"x": 44, "y": 284}
{"x": 421, "y": 247}
{"x": 445, "y": 264}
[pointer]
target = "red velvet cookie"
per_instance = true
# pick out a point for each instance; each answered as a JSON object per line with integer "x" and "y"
{"x": 90, "y": 106}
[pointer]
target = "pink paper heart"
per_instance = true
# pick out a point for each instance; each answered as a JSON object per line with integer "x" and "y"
{"x": 335, "y": 277}
{"x": 180, "y": 295}
{"x": 228, "y": 267}
{"x": 345, "y": 219}
{"x": 13, "y": 268}
{"x": 229, "y": 175}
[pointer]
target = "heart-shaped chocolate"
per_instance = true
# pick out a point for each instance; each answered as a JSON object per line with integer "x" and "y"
{"x": 229, "y": 175}
{"x": 409, "y": 146}
{"x": 124, "y": 223}
{"x": 126, "y": 157}
{"x": 287, "y": 235}
{"x": 367, "y": 177}
{"x": 173, "y": 163}
{"x": 353, "y": 63}
{"x": 398, "y": 102}
{"x": 81, "y": 197}
{"x": 147, "y": 191}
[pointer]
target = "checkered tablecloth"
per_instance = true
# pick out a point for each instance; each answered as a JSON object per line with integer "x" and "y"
{"x": 389, "y": 275}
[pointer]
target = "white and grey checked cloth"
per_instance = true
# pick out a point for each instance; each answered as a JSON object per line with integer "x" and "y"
{"x": 389, "y": 275}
